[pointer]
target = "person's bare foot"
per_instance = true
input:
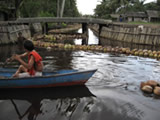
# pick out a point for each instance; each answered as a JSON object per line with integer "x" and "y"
{"x": 15, "y": 75}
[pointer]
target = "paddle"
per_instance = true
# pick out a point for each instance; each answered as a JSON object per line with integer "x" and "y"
{"x": 8, "y": 60}
{"x": 16, "y": 108}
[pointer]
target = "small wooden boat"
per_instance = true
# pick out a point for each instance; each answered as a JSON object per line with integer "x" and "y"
{"x": 49, "y": 79}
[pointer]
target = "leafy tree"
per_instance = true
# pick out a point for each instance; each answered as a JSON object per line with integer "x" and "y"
{"x": 158, "y": 5}
{"x": 46, "y": 8}
{"x": 71, "y": 9}
{"x": 137, "y": 6}
{"x": 107, "y": 7}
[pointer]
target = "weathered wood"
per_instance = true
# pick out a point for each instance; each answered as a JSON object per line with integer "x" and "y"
{"x": 85, "y": 32}
{"x": 132, "y": 34}
{"x": 9, "y": 33}
{"x": 99, "y": 33}
{"x": 59, "y": 20}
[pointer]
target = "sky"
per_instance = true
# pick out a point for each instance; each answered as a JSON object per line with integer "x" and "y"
{"x": 88, "y": 6}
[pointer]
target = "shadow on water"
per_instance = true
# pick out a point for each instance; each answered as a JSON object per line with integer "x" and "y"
{"x": 45, "y": 93}
{"x": 64, "y": 98}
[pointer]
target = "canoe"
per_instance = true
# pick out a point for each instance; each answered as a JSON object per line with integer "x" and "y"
{"x": 49, "y": 79}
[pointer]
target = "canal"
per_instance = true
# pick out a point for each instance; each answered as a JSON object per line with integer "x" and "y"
{"x": 111, "y": 94}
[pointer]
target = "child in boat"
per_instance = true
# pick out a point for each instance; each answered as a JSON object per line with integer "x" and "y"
{"x": 34, "y": 66}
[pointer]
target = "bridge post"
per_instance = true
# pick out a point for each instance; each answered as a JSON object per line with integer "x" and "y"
{"x": 85, "y": 32}
{"x": 45, "y": 28}
{"x": 99, "y": 33}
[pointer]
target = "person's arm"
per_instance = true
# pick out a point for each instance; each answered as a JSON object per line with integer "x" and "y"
{"x": 12, "y": 58}
{"x": 23, "y": 55}
{"x": 26, "y": 65}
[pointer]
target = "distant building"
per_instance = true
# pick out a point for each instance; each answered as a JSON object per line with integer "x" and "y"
{"x": 148, "y": 16}
{"x": 135, "y": 16}
{"x": 115, "y": 17}
{"x": 153, "y": 15}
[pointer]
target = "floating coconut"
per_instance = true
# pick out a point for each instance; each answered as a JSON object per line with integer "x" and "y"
{"x": 146, "y": 54}
{"x": 49, "y": 48}
{"x": 142, "y": 84}
{"x": 141, "y": 53}
{"x": 152, "y": 83}
{"x": 136, "y": 53}
{"x": 151, "y": 55}
{"x": 155, "y": 55}
{"x": 104, "y": 49}
{"x": 109, "y": 49}
{"x": 113, "y": 49}
{"x": 154, "y": 52}
{"x": 157, "y": 91}
{"x": 147, "y": 89}
{"x": 124, "y": 50}
{"x": 128, "y": 51}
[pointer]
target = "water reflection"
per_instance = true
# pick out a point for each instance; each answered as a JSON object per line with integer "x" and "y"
{"x": 58, "y": 59}
{"x": 92, "y": 39}
{"x": 34, "y": 103}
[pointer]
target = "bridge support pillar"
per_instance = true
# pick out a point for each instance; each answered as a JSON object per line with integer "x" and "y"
{"x": 85, "y": 32}
{"x": 99, "y": 33}
{"x": 45, "y": 28}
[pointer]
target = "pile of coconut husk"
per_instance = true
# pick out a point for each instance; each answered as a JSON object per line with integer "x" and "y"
{"x": 68, "y": 28}
{"x": 120, "y": 50}
{"x": 151, "y": 87}
{"x": 58, "y": 38}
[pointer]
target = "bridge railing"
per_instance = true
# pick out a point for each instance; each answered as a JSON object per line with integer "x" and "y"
{"x": 59, "y": 20}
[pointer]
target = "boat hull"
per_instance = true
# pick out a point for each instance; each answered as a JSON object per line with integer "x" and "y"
{"x": 61, "y": 79}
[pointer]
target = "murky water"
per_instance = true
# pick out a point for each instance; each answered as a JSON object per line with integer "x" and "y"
{"x": 112, "y": 93}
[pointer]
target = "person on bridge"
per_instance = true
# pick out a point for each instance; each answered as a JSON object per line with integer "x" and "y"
{"x": 34, "y": 66}
{"x": 21, "y": 39}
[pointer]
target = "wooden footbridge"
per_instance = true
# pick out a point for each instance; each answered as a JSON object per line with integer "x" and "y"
{"x": 46, "y": 20}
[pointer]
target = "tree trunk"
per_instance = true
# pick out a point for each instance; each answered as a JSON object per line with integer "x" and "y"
{"x": 58, "y": 9}
{"x": 62, "y": 8}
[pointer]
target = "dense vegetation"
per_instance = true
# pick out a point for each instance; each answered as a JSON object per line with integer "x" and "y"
{"x": 107, "y": 7}
{"x": 49, "y": 8}
{"x": 40, "y": 8}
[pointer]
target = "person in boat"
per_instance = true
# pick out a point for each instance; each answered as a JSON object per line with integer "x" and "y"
{"x": 34, "y": 66}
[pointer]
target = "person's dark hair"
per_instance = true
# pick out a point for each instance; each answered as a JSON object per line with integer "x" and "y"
{"x": 28, "y": 45}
